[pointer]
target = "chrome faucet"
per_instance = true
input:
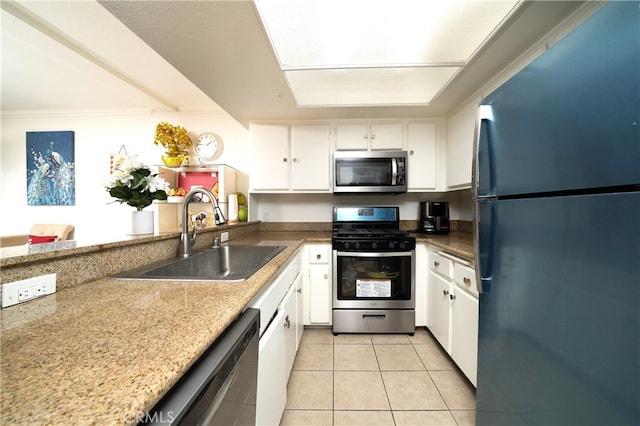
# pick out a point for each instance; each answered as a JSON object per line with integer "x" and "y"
{"x": 186, "y": 241}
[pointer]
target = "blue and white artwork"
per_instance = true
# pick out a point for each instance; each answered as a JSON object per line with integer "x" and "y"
{"x": 50, "y": 169}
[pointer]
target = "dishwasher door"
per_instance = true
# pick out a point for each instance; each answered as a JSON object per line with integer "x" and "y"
{"x": 220, "y": 388}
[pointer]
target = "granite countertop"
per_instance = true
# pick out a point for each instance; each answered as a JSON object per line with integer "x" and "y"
{"x": 105, "y": 351}
{"x": 456, "y": 243}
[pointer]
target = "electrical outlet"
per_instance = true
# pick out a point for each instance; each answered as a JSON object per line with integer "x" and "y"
{"x": 31, "y": 288}
{"x": 224, "y": 237}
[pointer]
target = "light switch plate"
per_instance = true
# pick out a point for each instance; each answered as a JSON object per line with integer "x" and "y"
{"x": 31, "y": 288}
{"x": 224, "y": 237}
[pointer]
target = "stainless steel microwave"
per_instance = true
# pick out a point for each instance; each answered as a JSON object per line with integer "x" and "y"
{"x": 370, "y": 171}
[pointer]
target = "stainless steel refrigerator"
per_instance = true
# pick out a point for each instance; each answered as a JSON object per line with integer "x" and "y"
{"x": 557, "y": 210}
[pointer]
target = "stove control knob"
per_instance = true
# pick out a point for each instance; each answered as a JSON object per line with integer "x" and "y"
{"x": 374, "y": 245}
{"x": 357, "y": 245}
{"x": 345, "y": 246}
{"x": 392, "y": 245}
{"x": 402, "y": 245}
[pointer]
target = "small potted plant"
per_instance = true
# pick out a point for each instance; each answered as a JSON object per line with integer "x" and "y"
{"x": 133, "y": 183}
{"x": 175, "y": 140}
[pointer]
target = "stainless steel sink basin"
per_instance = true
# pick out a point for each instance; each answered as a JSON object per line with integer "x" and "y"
{"x": 225, "y": 263}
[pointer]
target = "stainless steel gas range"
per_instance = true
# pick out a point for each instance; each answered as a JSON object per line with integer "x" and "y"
{"x": 373, "y": 272}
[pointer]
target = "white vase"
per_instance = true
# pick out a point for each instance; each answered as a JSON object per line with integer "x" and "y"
{"x": 141, "y": 222}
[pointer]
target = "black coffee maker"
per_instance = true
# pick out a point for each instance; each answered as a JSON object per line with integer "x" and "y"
{"x": 434, "y": 217}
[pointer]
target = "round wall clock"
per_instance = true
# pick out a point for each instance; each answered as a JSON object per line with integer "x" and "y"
{"x": 208, "y": 147}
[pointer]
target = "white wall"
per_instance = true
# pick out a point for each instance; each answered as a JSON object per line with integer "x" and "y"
{"x": 318, "y": 207}
{"x": 96, "y": 137}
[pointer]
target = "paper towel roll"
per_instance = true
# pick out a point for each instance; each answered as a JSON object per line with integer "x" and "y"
{"x": 233, "y": 207}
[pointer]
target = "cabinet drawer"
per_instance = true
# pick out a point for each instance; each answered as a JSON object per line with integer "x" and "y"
{"x": 442, "y": 265}
{"x": 465, "y": 277}
{"x": 319, "y": 254}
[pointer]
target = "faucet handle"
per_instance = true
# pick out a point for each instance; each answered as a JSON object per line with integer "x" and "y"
{"x": 216, "y": 242}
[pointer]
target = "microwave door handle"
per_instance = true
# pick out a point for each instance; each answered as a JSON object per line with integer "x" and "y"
{"x": 394, "y": 171}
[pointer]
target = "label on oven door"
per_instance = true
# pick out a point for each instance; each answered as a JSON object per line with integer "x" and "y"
{"x": 373, "y": 288}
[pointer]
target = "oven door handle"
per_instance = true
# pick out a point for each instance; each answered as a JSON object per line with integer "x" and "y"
{"x": 374, "y": 254}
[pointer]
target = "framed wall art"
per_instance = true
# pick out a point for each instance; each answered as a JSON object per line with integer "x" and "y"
{"x": 50, "y": 168}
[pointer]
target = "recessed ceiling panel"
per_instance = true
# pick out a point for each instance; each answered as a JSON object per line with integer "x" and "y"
{"x": 376, "y": 52}
{"x": 364, "y": 32}
{"x": 368, "y": 86}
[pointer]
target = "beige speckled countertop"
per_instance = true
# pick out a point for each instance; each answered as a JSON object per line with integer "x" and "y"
{"x": 456, "y": 243}
{"x": 105, "y": 351}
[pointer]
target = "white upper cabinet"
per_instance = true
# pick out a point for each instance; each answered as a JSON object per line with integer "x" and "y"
{"x": 460, "y": 134}
{"x": 422, "y": 150}
{"x": 352, "y": 136}
{"x": 270, "y": 151}
{"x": 386, "y": 136}
{"x": 369, "y": 136}
{"x": 291, "y": 158}
{"x": 310, "y": 158}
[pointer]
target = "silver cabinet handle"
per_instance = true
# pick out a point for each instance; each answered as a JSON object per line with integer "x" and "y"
{"x": 299, "y": 290}
{"x": 284, "y": 160}
{"x": 445, "y": 292}
{"x": 318, "y": 256}
{"x": 452, "y": 296}
{"x": 436, "y": 263}
{"x": 466, "y": 281}
{"x": 287, "y": 322}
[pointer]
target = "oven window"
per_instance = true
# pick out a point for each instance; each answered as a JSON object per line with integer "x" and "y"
{"x": 373, "y": 278}
{"x": 369, "y": 172}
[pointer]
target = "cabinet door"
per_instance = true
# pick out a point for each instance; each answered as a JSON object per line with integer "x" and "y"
{"x": 352, "y": 136}
{"x": 299, "y": 310}
{"x": 464, "y": 333}
{"x": 422, "y": 274}
{"x": 270, "y": 151}
{"x": 459, "y": 147}
{"x": 386, "y": 136}
{"x": 311, "y": 158}
{"x": 271, "y": 396}
{"x": 319, "y": 294}
{"x": 421, "y": 146}
{"x": 438, "y": 309}
{"x": 290, "y": 329}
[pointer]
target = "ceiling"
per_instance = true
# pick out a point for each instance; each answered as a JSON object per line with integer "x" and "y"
{"x": 201, "y": 56}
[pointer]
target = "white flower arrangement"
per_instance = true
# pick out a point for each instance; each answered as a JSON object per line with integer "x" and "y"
{"x": 132, "y": 182}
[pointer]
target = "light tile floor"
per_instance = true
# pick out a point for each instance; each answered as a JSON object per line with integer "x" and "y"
{"x": 376, "y": 379}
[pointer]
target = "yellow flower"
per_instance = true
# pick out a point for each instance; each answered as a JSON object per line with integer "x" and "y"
{"x": 174, "y": 138}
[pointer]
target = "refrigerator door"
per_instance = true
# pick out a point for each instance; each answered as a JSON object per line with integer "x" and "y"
{"x": 559, "y": 331}
{"x": 571, "y": 119}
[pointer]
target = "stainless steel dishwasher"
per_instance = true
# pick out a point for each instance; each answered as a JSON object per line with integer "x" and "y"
{"x": 220, "y": 388}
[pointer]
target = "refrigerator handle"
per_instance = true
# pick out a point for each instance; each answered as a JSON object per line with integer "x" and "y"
{"x": 484, "y": 248}
{"x": 483, "y": 113}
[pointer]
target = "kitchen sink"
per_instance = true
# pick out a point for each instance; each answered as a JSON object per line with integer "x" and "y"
{"x": 224, "y": 263}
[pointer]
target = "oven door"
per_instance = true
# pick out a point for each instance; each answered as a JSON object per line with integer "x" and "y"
{"x": 373, "y": 280}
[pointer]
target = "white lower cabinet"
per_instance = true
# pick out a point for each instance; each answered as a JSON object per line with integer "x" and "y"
{"x": 271, "y": 396}
{"x": 452, "y": 310}
{"x": 438, "y": 309}
{"x": 281, "y": 330}
{"x": 421, "y": 274}
{"x": 464, "y": 332}
{"x": 317, "y": 285}
{"x": 299, "y": 310}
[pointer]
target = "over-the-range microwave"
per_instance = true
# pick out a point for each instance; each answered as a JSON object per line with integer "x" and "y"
{"x": 370, "y": 172}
